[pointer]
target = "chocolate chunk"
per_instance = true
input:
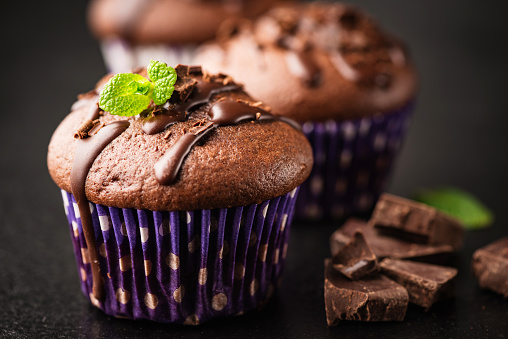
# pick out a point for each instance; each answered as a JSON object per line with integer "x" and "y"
{"x": 425, "y": 283}
{"x": 184, "y": 84}
{"x": 490, "y": 266}
{"x": 196, "y": 70}
{"x": 384, "y": 246}
{"x": 355, "y": 259}
{"x": 375, "y": 298}
{"x": 416, "y": 221}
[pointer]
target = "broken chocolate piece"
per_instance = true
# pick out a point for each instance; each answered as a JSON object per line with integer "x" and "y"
{"x": 372, "y": 299}
{"x": 490, "y": 266}
{"x": 416, "y": 221}
{"x": 384, "y": 246}
{"x": 355, "y": 259}
{"x": 184, "y": 83}
{"x": 425, "y": 283}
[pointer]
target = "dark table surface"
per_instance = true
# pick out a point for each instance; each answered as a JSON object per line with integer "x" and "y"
{"x": 458, "y": 137}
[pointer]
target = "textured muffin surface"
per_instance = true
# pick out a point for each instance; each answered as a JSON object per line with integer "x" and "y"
{"x": 233, "y": 165}
{"x": 316, "y": 62}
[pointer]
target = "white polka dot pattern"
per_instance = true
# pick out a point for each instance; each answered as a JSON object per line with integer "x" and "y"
{"x": 358, "y": 157}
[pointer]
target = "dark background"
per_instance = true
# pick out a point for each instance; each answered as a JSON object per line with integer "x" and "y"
{"x": 458, "y": 137}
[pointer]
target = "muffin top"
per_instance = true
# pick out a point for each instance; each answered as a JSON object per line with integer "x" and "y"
{"x": 208, "y": 146}
{"x": 316, "y": 62}
{"x": 167, "y": 21}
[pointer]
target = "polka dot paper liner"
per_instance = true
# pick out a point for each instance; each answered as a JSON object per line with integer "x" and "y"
{"x": 353, "y": 160}
{"x": 186, "y": 266}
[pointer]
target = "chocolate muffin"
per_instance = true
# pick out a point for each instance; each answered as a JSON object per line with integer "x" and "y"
{"x": 351, "y": 85}
{"x": 133, "y": 32}
{"x": 180, "y": 213}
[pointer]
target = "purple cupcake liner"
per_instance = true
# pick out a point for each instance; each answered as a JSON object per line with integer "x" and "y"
{"x": 353, "y": 160}
{"x": 120, "y": 56}
{"x": 185, "y": 266}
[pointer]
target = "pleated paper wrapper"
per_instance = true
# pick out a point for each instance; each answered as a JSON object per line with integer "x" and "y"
{"x": 353, "y": 160}
{"x": 185, "y": 266}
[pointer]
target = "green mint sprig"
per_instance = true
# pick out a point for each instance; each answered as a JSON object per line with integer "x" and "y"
{"x": 129, "y": 94}
{"x": 459, "y": 204}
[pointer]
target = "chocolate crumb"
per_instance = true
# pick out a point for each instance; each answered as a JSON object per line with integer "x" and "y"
{"x": 227, "y": 80}
{"x": 167, "y": 134}
{"x": 258, "y": 115}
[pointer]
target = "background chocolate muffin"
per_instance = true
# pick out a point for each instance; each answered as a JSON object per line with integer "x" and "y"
{"x": 181, "y": 213}
{"x": 133, "y": 32}
{"x": 352, "y": 86}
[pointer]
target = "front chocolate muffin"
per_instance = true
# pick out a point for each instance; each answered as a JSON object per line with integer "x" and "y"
{"x": 351, "y": 86}
{"x": 179, "y": 196}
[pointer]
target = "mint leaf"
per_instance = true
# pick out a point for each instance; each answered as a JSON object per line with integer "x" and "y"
{"x": 129, "y": 94}
{"x": 164, "y": 78}
{"x": 126, "y": 94}
{"x": 459, "y": 204}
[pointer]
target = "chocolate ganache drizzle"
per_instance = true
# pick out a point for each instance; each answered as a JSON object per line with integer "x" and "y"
{"x": 87, "y": 150}
{"x": 358, "y": 49}
{"x": 193, "y": 90}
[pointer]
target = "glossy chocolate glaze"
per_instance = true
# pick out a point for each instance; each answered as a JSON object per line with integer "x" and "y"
{"x": 201, "y": 94}
{"x": 87, "y": 150}
{"x": 221, "y": 113}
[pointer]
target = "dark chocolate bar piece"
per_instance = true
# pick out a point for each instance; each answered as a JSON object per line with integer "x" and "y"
{"x": 384, "y": 246}
{"x": 374, "y": 298}
{"x": 355, "y": 259}
{"x": 426, "y": 284}
{"x": 490, "y": 266}
{"x": 416, "y": 221}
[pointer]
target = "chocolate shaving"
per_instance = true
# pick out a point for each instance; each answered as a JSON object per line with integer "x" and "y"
{"x": 138, "y": 70}
{"x": 88, "y": 95}
{"x": 156, "y": 110}
{"x": 287, "y": 20}
{"x": 349, "y": 19}
{"x": 96, "y": 129}
{"x": 197, "y": 70}
{"x": 83, "y": 130}
{"x": 228, "y": 29}
{"x": 200, "y": 128}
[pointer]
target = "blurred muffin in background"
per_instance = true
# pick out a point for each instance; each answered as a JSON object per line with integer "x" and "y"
{"x": 132, "y": 32}
{"x": 351, "y": 85}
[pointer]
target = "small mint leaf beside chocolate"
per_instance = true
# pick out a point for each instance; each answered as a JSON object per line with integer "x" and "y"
{"x": 129, "y": 94}
{"x": 459, "y": 204}
{"x": 164, "y": 79}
